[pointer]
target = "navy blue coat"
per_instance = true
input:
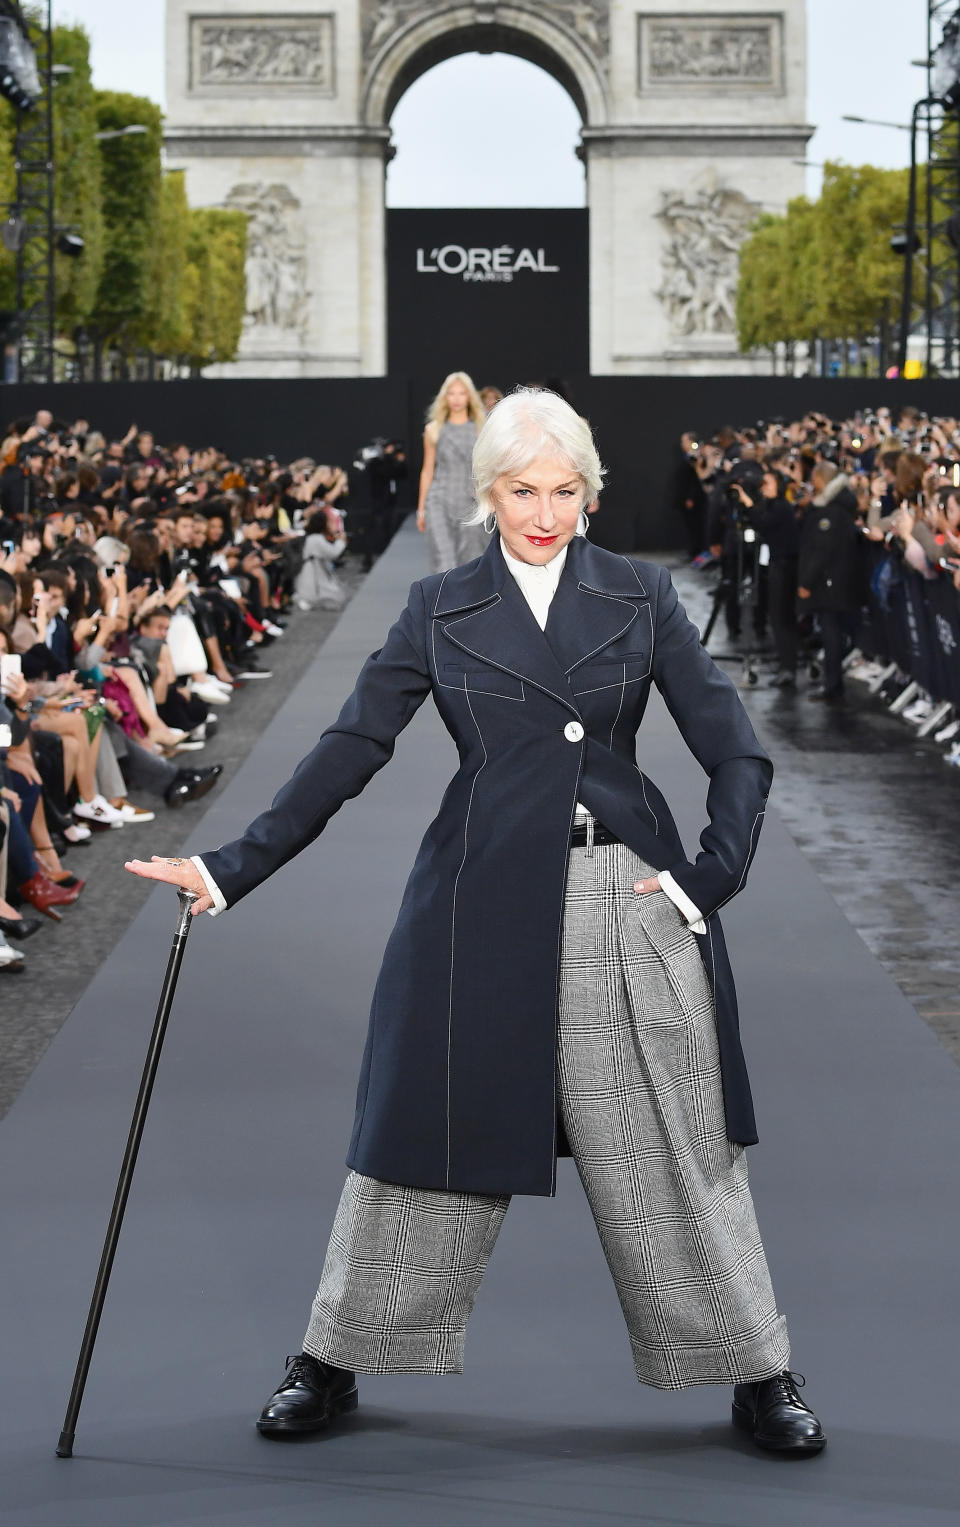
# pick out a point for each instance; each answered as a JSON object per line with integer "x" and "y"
{"x": 457, "y": 1086}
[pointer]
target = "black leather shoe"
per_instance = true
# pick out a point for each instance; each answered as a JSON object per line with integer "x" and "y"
{"x": 311, "y": 1395}
{"x": 776, "y": 1417}
{"x": 190, "y": 784}
{"x": 20, "y": 927}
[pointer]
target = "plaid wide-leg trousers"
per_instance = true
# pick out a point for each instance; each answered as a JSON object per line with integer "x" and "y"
{"x": 639, "y": 1093}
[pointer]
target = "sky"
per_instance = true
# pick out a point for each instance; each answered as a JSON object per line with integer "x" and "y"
{"x": 522, "y": 126}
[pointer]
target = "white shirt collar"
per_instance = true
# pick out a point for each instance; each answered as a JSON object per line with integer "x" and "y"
{"x": 535, "y": 575}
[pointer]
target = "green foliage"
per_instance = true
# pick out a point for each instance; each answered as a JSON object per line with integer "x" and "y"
{"x": 215, "y": 289}
{"x": 859, "y": 273}
{"x": 168, "y": 268}
{"x": 824, "y": 269}
{"x": 131, "y": 180}
{"x": 153, "y": 274}
{"x": 8, "y": 184}
{"x": 78, "y": 203}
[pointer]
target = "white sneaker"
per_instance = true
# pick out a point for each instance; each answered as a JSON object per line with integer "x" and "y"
{"x": 211, "y": 692}
{"x": 98, "y": 810}
{"x": 77, "y": 833}
{"x": 918, "y": 712}
{"x": 865, "y": 673}
{"x": 273, "y": 630}
{"x": 10, "y": 959}
{"x": 255, "y": 673}
{"x": 135, "y": 814}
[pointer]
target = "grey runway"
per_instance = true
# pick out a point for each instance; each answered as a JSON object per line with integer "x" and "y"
{"x": 242, "y": 1164}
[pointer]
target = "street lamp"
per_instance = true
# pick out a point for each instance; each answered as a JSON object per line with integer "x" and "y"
{"x": 121, "y": 132}
{"x": 903, "y": 127}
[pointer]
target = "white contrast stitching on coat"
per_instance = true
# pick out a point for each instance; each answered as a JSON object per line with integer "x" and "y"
{"x": 453, "y": 919}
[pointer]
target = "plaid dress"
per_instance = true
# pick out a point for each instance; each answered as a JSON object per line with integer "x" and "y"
{"x": 639, "y": 1094}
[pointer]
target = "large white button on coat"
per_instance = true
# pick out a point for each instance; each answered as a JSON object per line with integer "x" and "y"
{"x": 573, "y": 731}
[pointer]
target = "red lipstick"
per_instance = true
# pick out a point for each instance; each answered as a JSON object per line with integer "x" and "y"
{"x": 541, "y": 540}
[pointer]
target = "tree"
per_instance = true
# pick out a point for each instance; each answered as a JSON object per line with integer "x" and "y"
{"x": 777, "y": 297}
{"x": 824, "y": 269}
{"x": 131, "y": 179}
{"x": 167, "y": 296}
{"x": 77, "y": 192}
{"x": 859, "y": 273}
{"x": 78, "y": 201}
{"x": 215, "y": 288}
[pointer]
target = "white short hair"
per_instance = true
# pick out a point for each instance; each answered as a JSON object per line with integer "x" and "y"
{"x": 532, "y": 422}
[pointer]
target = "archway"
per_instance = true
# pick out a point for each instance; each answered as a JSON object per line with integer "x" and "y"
{"x": 486, "y": 130}
{"x": 482, "y": 290}
{"x": 398, "y": 54}
{"x": 693, "y": 120}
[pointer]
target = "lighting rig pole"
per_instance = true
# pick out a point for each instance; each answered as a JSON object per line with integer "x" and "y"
{"x": 938, "y": 111}
{"x": 36, "y": 244}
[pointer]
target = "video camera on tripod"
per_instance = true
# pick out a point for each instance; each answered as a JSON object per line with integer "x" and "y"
{"x": 741, "y": 495}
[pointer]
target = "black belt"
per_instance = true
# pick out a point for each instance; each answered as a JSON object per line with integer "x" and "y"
{"x": 601, "y": 834}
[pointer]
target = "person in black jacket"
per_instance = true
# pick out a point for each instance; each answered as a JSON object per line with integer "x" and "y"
{"x": 779, "y": 528}
{"x": 687, "y": 495}
{"x": 831, "y": 571}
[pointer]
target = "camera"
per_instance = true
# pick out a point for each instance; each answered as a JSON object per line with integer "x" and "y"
{"x": 747, "y": 475}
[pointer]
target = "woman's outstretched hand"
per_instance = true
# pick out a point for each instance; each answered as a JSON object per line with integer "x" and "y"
{"x": 179, "y": 872}
{"x": 644, "y": 887}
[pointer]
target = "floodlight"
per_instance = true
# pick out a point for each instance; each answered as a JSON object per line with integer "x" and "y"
{"x": 71, "y": 244}
{"x": 19, "y": 80}
{"x": 945, "y": 73}
{"x": 905, "y": 243}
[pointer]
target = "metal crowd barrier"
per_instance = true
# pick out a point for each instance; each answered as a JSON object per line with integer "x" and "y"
{"x": 914, "y": 622}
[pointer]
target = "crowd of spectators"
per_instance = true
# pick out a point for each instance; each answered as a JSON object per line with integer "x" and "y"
{"x": 824, "y": 530}
{"x": 139, "y": 588}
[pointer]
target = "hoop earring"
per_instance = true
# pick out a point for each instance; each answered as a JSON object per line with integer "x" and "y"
{"x": 490, "y": 516}
{"x": 583, "y": 523}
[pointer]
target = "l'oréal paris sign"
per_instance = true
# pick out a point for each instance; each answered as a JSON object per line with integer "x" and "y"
{"x": 473, "y": 264}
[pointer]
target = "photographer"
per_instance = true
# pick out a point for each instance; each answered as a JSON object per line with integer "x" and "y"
{"x": 687, "y": 493}
{"x": 732, "y": 541}
{"x": 776, "y": 522}
{"x": 831, "y": 572}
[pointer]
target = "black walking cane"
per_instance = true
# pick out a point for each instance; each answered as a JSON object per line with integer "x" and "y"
{"x": 184, "y": 919}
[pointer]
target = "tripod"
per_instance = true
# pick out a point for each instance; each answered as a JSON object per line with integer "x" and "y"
{"x": 747, "y": 583}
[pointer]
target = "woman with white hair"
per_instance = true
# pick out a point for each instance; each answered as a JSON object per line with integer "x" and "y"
{"x": 445, "y": 504}
{"x": 557, "y": 981}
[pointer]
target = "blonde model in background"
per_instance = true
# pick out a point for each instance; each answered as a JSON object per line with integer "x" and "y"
{"x": 446, "y": 500}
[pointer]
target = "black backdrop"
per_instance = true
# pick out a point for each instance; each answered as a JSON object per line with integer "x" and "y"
{"x": 490, "y": 291}
{"x": 637, "y": 420}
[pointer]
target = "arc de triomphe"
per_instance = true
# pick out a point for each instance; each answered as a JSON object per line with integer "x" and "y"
{"x": 693, "y": 120}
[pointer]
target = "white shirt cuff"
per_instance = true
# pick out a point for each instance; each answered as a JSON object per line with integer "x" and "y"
{"x": 219, "y": 900}
{"x": 695, "y": 918}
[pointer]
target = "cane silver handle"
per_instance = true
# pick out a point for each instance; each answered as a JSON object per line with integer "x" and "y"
{"x": 186, "y": 899}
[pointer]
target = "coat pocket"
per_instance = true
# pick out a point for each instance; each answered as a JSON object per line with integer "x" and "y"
{"x": 482, "y": 680}
{"x": 612, "y": 673}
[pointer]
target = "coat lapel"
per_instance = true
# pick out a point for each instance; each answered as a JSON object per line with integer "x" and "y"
{"x": 597, "y": 601}
{"x": 483, "y": 612}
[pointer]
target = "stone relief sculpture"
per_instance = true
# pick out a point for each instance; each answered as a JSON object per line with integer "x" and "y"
{"x": 276, "y": 265}
{"x": 263, "y": 52}
{"x": 679, "y": 50}
{"x": 589, "y": 19}
{"x": 705, "y": 228}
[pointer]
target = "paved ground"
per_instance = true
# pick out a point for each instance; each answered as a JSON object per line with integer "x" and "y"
{"x": 874, "y": 809}
{"x": 870, "y": 806}
{"x": 63, "y": 957}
